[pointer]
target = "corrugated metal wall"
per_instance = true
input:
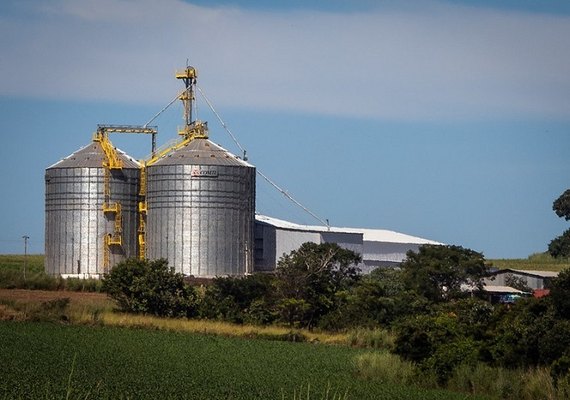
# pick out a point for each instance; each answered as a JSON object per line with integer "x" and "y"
{"x": 202, "y": 222}
{"x": 75, "y": 223}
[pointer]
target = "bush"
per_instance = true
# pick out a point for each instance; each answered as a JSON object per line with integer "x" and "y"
{"x": 560, "y": 294}
{"x": 150, "y": 287}
{"x": 418, "y": 337}
{"x": 560, "y": 369}
{"x": 239, "y": 299}
{"x": 51, "y": 310}
{"x": 448, "y": 356}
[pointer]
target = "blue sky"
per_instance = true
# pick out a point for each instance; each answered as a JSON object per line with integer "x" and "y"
{"x": 448, "y": 120}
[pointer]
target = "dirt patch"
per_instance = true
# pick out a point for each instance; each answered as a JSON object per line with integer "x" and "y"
{"x": 33, "y": 296}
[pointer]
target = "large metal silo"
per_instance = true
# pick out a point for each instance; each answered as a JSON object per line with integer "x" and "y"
{"x": 201, "y": 210}
{"x": 90, "y": 212}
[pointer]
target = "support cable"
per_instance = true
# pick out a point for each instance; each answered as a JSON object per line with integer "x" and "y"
{"x": 222, "y": 122}
{"x": 286, "y": 194}
{"x": 166, "y": 107}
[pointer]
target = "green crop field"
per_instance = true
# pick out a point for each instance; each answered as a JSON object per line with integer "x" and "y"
{"x": 49, "y": 361}
{"x": 535, "y": 262}
{"x": 15, "y": 262}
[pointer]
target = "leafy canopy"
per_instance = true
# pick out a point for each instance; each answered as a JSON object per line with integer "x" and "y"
{"x": 150, "y": 287}
{"x": 561, "y": 205}
{"x": 438, "y": 272}
{"x": 560, "y": 246}
{"x": 309, "y": 279}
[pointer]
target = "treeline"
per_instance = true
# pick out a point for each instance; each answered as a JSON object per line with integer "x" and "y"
{"x": 435, "y": 322}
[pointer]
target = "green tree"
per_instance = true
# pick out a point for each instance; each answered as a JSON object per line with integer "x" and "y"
{"x": 438, "y": 272}
{"x": 309, "y": 279}
{"x": 379, "y": 298}
{"x": 560, "y": 294}
{"x": 560, "y": 246}
{"x": 561, "y": 205}
{"x": 150, "y": 287}
{"x": 239, "y": 299}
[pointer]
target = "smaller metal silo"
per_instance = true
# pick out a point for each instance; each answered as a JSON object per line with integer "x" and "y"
{"x": 200, "y": 201}
{"x": 201, "y": 210}
{"x": 91, "y": 215}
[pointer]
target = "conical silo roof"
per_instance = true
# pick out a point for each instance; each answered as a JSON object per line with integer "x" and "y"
{"x": 92, "y": 156}
{"x": 201, "y": 152}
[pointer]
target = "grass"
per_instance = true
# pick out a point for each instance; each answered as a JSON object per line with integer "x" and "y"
{"x": 96, "y": 308}
{"x": 536, "y": 262}
{"x": 15, "y": 262}
{"x": 479, "y": 380}
{"x": 54, "y": 361}
{"x": 371, "y": 338}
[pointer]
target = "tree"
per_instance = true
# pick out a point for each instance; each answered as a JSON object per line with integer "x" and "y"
{"x": 561, "y": 205}
{"x": 150, "y": 287}
{"x": 560, "y": 246}
{"x": 239, "y": 299}
{"x": 308, "y": 280}
{"x": 438, "y": 272}
{"x": 560, "y": 294}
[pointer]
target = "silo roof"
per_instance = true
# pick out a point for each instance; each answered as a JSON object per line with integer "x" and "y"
{"x": 92, "y": 156}
{"x": 201, "y": 152}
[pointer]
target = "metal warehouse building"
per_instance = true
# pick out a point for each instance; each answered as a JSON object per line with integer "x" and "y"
{"x": 378, "y": 247}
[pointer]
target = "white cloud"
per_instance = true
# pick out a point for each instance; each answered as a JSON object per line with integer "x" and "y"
{"x": 438, "y": 61}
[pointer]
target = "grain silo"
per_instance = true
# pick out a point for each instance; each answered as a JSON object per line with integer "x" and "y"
{"x": 91, "y": 210}
{"x": 200, "y": 202}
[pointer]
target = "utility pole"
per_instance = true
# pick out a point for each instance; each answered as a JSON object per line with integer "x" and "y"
{"x": 25, "y": 237}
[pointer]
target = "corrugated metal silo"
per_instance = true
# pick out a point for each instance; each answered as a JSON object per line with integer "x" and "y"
{"x": 201, "y": 210}
{"x": 91, "y": 212}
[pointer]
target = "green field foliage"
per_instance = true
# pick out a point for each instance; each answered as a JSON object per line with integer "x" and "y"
{"x": 15, "y": 262}
{"x": 56, "y": 361}
{"x": 535, "y": 262}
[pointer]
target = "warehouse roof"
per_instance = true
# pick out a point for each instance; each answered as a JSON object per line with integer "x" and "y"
{"x": 540, "y": 274}
{"x": 370, "y": 235}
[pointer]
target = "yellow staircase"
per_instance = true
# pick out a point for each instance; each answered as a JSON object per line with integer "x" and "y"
{"x": 111, "y": 162}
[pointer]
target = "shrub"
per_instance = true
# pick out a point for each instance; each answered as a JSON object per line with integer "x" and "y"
{"x": 239, "y": 299}
{"x": 560, "y": 369}
{"x": 448, "y": 356}
{"x": 51, "y": 310}
{"x": 150, "y": 287}
{"x": 560, "y": 294}
{"x": 418, "y": 337}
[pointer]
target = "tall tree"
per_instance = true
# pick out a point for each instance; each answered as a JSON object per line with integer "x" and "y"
{"x": 438, "y": 272}
{"x": 309, "y": 278}
{"x": 561, "y": 205}
{"x": 560, "y": 246}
